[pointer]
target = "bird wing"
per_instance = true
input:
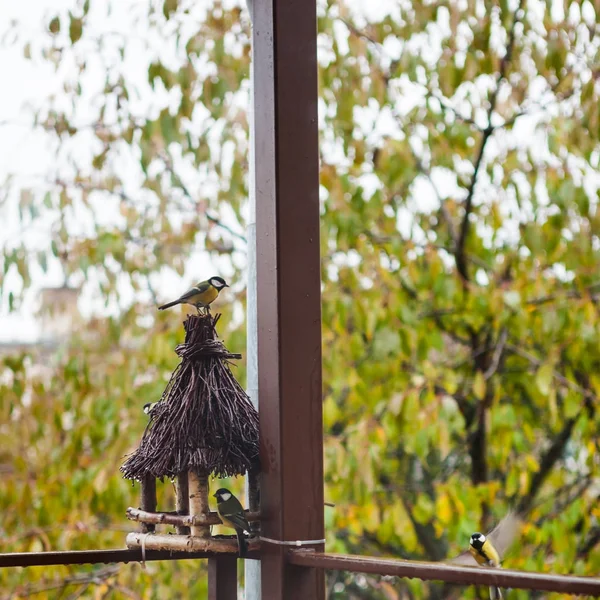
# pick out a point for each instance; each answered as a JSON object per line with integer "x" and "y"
{"x": 503, "y": 535}
{"x": 197, "y": 289}
{"x": 233, "y": 511}
{"x": 239, "y": 521}
{"x": 465, "y": 558}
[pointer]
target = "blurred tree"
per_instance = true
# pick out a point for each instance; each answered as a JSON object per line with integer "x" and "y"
{"x": 460, "y": 242}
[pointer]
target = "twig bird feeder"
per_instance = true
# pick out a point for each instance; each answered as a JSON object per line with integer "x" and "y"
{"x": 203, "y": 424}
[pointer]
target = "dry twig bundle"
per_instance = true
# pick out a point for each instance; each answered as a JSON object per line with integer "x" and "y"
{"x": 204, "y": 421}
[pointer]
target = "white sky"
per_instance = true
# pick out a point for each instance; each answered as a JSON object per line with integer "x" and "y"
{"x": 28, "y": 156}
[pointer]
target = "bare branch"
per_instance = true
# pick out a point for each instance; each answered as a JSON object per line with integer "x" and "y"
{"x": 96, "y": 577}
{"x": 590, "y": 543}
{"x": 212, "y": 218}
{"x": 461, "y": 261}
{"x": 448, "y": 107}
{"x": 498, "y": 350}
{"x": 536, "y": 362}
{"x": 569, "y": 294}
{"x": 551, "y": 456}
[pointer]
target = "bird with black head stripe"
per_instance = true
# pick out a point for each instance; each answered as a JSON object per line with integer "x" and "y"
{"x": 231, "y": 512}
{"x": 488, "y": 550}
{"x": 202, "y": 295}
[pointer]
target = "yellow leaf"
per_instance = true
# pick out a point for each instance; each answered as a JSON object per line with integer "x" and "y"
{"x": 444, "y": 509}
{"x": 479, "y": 386}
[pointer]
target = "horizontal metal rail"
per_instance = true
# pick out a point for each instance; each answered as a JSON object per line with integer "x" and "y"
{"x": 84, "y": 557}
{"x": 427, "y": 571}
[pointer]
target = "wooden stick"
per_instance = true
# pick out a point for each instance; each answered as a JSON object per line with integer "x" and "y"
{"x": 187, "y": 543}
{"x": 148, "y": 499}
{"x": 161, "y": 518}
{"x": 182, "y": 501}
{"x": 198, "y": 495}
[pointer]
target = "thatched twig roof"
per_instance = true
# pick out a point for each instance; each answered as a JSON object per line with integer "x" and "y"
{"x": 204, "y": 421}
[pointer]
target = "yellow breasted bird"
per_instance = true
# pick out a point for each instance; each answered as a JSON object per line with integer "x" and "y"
{"x": 232, "y": 514}
{"x": 488, "y": 550}
{"x": 201, "y": 295}
{"x": 149, "y": 407}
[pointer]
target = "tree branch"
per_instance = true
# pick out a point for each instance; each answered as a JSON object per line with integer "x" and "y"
{"x": 171, "y": 169}
{"x": 548, "y": 461}
{"x": 536, "y": 362}
{"x": 460, "y": 256}
{"x": 497, "y": 355}
{"x": 590, "y": 543}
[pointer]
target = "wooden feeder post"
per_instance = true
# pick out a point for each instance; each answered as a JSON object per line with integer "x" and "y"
{"x": 182, "y": 501}
{"x": 148, "y": 500}
{"x": 203, "y": 424}
{"x": 198, "y": 495}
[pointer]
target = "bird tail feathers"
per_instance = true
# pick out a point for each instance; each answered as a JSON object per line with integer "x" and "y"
{"x": 168, "y": 305}
{"x": 242, "y": 543}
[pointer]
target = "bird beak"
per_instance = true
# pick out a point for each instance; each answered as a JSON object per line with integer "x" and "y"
{"x": 214, "y": 495}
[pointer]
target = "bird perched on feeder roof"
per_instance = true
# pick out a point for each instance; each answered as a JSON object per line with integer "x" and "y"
{"x": 149, "y": 407}
{"x": 488, "y": 550}
{"x": 201, "y": 295}
{"x": 232, "y": 514}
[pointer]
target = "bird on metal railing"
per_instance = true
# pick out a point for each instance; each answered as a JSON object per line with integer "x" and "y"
{"x": 488, "y": 550}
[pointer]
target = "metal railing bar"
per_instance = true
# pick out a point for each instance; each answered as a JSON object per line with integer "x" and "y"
{"x": 428, "y": 571}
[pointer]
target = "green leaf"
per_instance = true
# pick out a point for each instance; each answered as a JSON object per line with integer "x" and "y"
{"x": 75, "y": 29}
{"x": 54, "y": 25}
{"x": 543, "y": 378}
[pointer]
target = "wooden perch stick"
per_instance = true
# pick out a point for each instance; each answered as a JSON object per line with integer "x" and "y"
{"x": 187, "y": 543}
{"x": 198, "y": 495}
{"x": 182, "y": 500}
{"x": 159, "y": 518}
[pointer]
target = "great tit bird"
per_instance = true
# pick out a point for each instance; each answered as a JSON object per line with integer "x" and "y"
{"x": 488, "y": 550}
{"x": 149, "y": 407}
{"x": 232, "y": 514}
{"x": 201, "y": 295}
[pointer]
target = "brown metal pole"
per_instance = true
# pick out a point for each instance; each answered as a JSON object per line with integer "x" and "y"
{"x": 222, "y": 578}
{"x": 86, "y": 557}
{"x": 288, "y": 290}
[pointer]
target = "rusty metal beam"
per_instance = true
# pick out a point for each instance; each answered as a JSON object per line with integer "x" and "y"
{"x": 288, "y": 289}
{"x": 87, "y": 557}
{"x": 432, "y": 571}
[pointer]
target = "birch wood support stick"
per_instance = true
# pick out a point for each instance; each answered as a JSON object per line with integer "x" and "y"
{"x": 198, "y": 495}
{"x": 187, "y": 543}
{"x": 182, "y": 501}
{"x": 165, "y": 518}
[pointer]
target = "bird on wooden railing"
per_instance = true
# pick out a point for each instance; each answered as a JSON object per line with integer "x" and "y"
{"x": 231, "y": 512}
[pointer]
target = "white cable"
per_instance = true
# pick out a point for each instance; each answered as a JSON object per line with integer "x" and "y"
{"x": 144, "y": 550}
{"x": 291, "y": 542}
